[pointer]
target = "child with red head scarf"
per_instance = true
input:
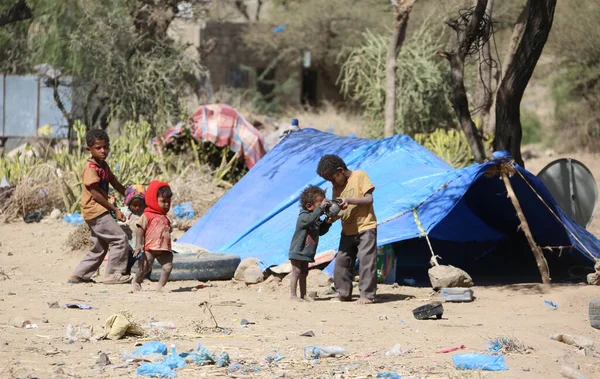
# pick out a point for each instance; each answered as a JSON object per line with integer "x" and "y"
{"x": 154, "y": 235}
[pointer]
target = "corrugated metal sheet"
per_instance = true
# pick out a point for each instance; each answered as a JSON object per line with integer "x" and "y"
{"x": 26, "y": 104}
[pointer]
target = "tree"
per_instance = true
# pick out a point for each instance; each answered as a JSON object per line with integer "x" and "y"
{"x": 489, "y": 113}
{"x": 470, "y": 31}
{"x": 123, "y": 63}
{"x": 540, "y": 14}
{"x": 402, "y": 9}
{"x": 422, "y": 85}
{"x": 327, "y": 29}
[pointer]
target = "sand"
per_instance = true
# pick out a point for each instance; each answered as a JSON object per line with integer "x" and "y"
{"x": 37, "y": 266}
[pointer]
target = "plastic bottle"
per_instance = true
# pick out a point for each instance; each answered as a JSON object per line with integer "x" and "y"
{"x": 571, "y": 373}
{"x": 331, "y": 351}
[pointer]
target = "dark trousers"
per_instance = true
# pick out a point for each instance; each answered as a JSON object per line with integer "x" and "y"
{"x": 364, "y": 247}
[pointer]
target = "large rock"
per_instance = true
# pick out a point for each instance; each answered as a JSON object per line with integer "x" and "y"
{"x": 253, "y": 275}
{"x": 442, "y": 276}
{"x": 239, "y": 272}
{"x": 319, "y": 278}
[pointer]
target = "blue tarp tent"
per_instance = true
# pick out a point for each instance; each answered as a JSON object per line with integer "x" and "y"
{"x": 257, "y": 217}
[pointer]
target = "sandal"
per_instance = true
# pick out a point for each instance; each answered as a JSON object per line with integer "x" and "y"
{"x": 77, "y": 280}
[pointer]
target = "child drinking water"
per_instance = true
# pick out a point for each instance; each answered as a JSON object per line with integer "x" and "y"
{"x": 154, "y": 235}
{"x": 306, "y": 238}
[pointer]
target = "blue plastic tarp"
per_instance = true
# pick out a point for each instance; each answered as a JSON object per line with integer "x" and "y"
{"x": 257, "y": 217}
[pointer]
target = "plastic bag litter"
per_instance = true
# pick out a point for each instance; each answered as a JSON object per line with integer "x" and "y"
{"x": 156, "y": 370}
{"x": 202, "y": 356}
{"x": 184, "y": 211}
{"x": 395, "y": 351}
{"x": 274, "y": 358}
{"x": 479, "y": 362}
{"x": 389, "y": 375}
{"x": 173, "y": 360}
{"x": 74, "y": 219}
{"x": 154, "y": 347}
{"x": 313, "y": 352}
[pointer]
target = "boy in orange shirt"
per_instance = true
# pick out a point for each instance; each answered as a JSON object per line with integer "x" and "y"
{"x": 95, "y": 209}
{"x": 354, "y": 190}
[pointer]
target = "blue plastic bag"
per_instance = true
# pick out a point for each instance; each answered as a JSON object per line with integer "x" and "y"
{"x": 156, "y": 370}
{"x": 154, "y": 347}
{"x": 479, "y": 362}
{"x": 74, "y": 219}
{"x": 174, "y": 361}
{"x": 184, "y": 211}
{"x": 389, "y": 375}
{"x": 202, "y": 356}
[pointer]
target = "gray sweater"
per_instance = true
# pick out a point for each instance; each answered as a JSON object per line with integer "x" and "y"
{"x": 306, "y": 237}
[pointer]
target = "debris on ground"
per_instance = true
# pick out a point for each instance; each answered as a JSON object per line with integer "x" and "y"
{"x": 571, "y": 373}
{"x": 315, "y": 353}
{"x": 274, "y": 358}
{"x": 577, "y": 341}
{"x": 79, "y": 306}
{"x": 395, "y": 351}
{"x": 202, "y": 356}
{"x": 508, "y": 345}
{"x": 388, "y": 375}
{"x": 551, "y": 304}
{"x": 451, "y": 349}
{"x": 103, "y": 360}
{"x": 80, "y": 238}
{"x": 79, "y": 332}
{"x": 475, "y": 361}
{"x": 119, "y": 325}
{"x": 310, "y": 333}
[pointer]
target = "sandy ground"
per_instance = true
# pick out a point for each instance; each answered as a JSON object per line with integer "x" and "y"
{"x": 38, "y": 265}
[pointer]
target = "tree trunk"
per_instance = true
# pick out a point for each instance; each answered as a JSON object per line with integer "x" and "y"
{"x": 540, "y": 15}
{"x": 458, "y": 93}
{"x": 487, "y": 72}
{"x": 401, "y": 13}
{"x": 18, "y": 12}
{"x": 490, "y": 123}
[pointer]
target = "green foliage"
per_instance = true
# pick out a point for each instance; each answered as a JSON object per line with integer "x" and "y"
{"x": 270, "y": 102}
{"x": 449, "y": 144}
{"x": 422, "y": 85}
{"x": 118, "y": 57}
{"x": 531, "y": 127}
{"x": 576, "y": 86}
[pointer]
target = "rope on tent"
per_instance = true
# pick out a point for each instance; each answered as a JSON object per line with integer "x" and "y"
{"x": 434, "y": 257}
{"x": 507, "y": 170}
{"x": 558, "y": 218}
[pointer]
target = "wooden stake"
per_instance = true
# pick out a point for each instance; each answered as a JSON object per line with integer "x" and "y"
{"x": 535, "y": 249}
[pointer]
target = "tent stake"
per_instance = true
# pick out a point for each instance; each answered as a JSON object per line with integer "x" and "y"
{"x": 535, "y": 249}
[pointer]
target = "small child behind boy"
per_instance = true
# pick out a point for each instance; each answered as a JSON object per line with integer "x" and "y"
{"x": 154, "y": 236}
{"x": 306, "y": 238}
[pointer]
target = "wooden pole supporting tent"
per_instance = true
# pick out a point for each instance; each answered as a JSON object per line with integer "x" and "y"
{"x": 506, "y": 170}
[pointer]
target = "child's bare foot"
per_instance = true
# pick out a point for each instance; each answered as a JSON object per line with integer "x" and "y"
{"x": 163, "y": 289}
{"x": 295, "y": 298}
{"x": 137, "y": 287}
{"x": 308, "y": 298}
{"x": 364, "y": 300}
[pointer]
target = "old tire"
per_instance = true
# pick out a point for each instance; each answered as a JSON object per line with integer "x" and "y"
{"x": 595, "y": 313}
{"x": 202, "y": 267}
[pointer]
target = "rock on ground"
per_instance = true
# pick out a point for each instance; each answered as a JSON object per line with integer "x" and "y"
{"x": 443, "y": 276}
{"x": 253, "y": 275}
{"x": 319, "y": 278}
{"x": 239, "y": 272}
